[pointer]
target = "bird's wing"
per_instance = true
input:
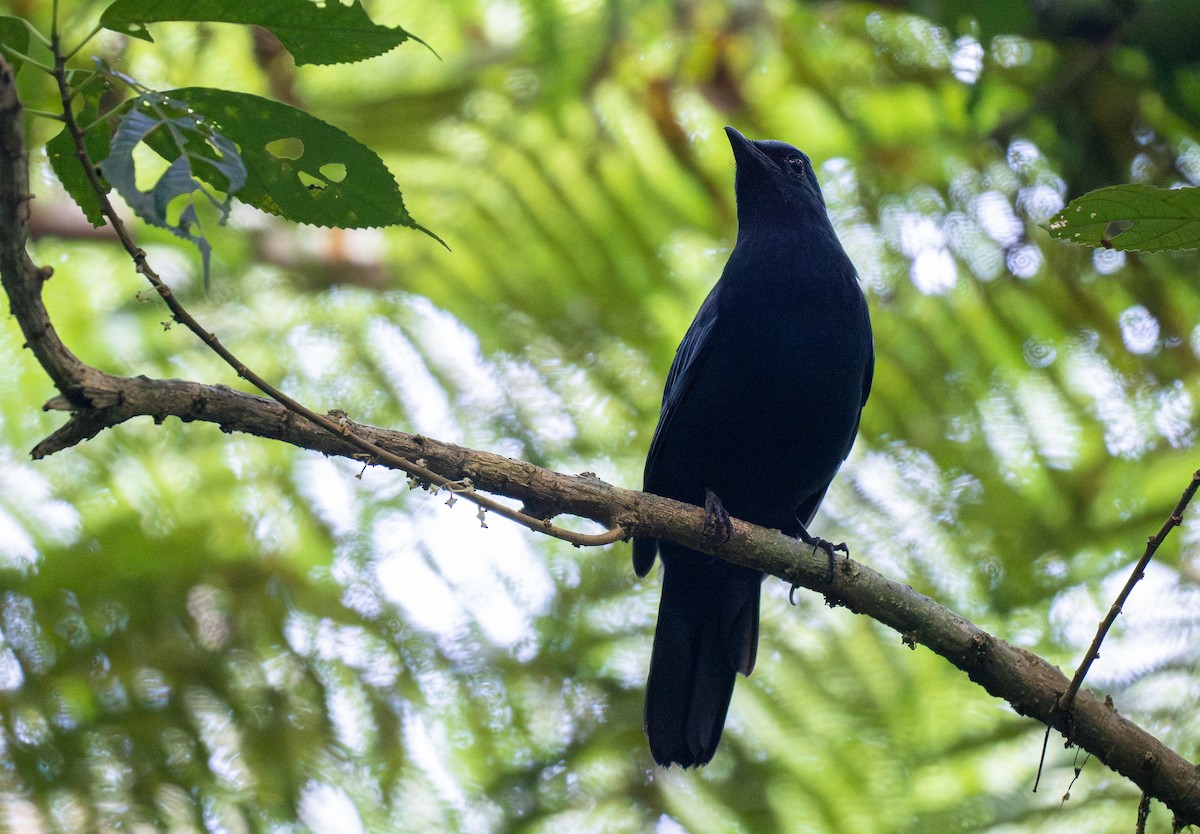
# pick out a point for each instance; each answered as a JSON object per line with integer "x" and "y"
{"x": 868, "y": 375}
{"x": 808, "y": 509}
{"x": 679, "y": 380}
{"x": 682, "y": 373}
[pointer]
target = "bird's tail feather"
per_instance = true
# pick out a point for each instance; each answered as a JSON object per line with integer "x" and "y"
{"x": 707, "y": 632}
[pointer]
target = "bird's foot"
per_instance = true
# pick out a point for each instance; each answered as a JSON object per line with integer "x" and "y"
{"x": 829, "y": 547}
{"x": 717, "y": 522}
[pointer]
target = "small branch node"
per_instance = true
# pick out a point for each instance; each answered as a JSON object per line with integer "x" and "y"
{"x": 461, "y": 485}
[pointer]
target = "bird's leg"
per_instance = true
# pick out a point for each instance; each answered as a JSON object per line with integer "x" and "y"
{"x": 717, "y": 522}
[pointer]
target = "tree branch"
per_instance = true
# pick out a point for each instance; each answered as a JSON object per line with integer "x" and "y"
{"x": 369, "y": 451}
{"x": 97, "y": 401}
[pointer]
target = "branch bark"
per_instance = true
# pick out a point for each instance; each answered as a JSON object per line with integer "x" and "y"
{"x": 97, "y": 401}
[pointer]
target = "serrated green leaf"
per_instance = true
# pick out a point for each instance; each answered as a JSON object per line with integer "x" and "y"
{"x": 325, "y": 33}
{"x": 197, "y": 151}
{"x": 61, "y": 152}
{"x": 14, "y": 34}
{"x": 300, "y": 167}
{"x": 1137, "y": 218}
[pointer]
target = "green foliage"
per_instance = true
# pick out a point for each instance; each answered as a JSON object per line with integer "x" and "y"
{"x": 221, "y": 144}
{"x": 299, "y": 167}
{"x": 14, "y": 36}
{"x": 201, "y": 631}
{"x": 192, "y": 145}
{"x": 1132, "y": 218}
{"x": 315, "y": 33}
{"x": 65, "y": 163}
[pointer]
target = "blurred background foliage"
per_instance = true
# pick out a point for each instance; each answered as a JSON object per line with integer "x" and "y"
{"x": 201, "y": 632}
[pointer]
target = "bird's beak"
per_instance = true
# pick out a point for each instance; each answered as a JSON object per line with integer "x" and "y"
{"x": 739, "y": 143}
{"x": 744, "y": 152}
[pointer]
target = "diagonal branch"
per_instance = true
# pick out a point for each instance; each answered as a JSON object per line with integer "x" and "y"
{"x": 97, "y": 401}
{"x": 1139, "y": 572}
{"x": 368, "y": 450}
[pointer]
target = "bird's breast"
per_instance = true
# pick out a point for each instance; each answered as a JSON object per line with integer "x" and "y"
{"x": 773, "y": 406}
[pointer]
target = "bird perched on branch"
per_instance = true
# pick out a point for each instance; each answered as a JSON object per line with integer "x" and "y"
{"x": 761, "y": 407}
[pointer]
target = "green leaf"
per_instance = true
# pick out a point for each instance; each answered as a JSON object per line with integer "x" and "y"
{"x": 14, "y": 34}
{"x": 1132, "y": 218}
{"x": 300, "y": 167}
{"x": 325, "y": 33}
{"x": 196, "y": 151}
{"x": 65, "y": 164}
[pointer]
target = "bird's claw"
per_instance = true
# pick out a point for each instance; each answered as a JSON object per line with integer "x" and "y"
{"x": 717, "y": 522}
{"x": 823, "y": 544}
{"x": 829, "y": 547}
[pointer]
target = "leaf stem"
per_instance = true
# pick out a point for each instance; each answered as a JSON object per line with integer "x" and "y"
{"x": 8, "y": 50}
{"x": 83, "y": 43}
{"x": 88, "y": 127}
{"x": 45, "y": 114}
{"x": 82, "y": 85}
{"x": 33, "y": 30}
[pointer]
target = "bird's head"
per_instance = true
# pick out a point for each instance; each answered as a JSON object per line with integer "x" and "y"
{"x": 774, "y": 180}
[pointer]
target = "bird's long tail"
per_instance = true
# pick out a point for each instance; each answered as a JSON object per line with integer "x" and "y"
{"x": 707, "y": 632}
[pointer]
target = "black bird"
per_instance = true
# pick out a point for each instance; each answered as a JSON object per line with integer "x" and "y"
{"x": 761, "y": 407}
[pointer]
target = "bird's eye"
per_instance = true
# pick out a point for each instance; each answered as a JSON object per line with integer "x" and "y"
{"x": 796, "y": 163}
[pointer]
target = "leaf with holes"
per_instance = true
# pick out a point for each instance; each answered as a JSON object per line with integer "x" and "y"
{"x": 315, "y": 33}
{"x": 202, "y": 161}
{"x": 300, "y": 167}
{"x": 1132, "y": 218}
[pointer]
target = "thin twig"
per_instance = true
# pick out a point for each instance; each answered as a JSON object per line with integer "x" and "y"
{"x": 1037, "y": 780}
{"x": 373, "y": 453}
{"x": 1143, "y": 814}
{"x": 1067, "y": 699}
{"x": 1139, "y": 571}
{"x": 1066, "y": 797}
